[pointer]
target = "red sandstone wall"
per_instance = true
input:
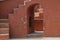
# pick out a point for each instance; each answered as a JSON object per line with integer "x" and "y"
{"x": 38, "y": 25}
{"x": 52, "y": 17}
{"x": 7, "y": 6}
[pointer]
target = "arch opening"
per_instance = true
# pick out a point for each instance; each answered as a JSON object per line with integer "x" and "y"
{"x": 35, "y": 18}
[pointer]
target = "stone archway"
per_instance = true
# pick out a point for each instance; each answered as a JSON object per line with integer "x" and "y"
{"x": 31, "y": 19}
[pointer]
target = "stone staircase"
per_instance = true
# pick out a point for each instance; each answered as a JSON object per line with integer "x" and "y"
{"x": 4, "y": 29}
{"x": 15, "y": 17}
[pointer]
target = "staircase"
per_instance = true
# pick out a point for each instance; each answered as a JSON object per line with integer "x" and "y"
{"x": 4, "y": 29}
{"x": 15, "y": 19}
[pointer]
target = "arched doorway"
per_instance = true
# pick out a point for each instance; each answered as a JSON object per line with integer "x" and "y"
{"x": 35, "y": 18}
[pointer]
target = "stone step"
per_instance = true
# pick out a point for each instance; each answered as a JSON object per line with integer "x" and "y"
{"x": 4, "y": 30}
{"x": 4, "y": 25}
{"x": 4, "y": 36}
{"x": 15, "y": 10}
{"x": 3, "y": 20}
{"x": 2, "y": 0}
{"x": 26, "y": 1}
{"x": 4, "y": 33}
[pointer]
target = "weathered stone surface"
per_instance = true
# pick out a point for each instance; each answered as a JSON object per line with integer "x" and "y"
{"x": 4, "y": 37}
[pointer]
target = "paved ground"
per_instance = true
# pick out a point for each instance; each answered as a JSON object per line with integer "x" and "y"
{"x": 36, "y": 36}
{"x": 43, "y": 38}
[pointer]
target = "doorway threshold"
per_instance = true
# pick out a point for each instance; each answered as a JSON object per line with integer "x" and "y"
{"x": 36, "y": 34}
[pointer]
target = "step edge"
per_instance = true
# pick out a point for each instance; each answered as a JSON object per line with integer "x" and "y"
{"x": 4, "y": 28}
{"x": 5, "y": 34}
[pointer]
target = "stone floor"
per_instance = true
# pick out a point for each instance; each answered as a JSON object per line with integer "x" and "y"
{"x": 34, "y": 36}
{"x": 43, "y": 38}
